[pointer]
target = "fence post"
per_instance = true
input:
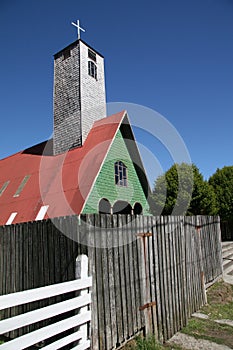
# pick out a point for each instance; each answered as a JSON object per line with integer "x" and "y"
{"x": 81, "y": 271}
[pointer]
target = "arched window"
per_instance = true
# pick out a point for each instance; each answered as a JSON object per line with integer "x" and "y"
{"x": 92, "y": 69}
{"x": 137, "y": 209}
{"x": 104, "y": 206}
{"x": 122, "y": 207}
{"x": 120, "y": 174}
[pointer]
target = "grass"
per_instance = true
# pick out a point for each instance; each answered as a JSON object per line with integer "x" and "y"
{"x": 149, "y": 343}
{"x": 220, "y": 302}
{"x": 209, "y": 330}
{"x": 220, "y": 306}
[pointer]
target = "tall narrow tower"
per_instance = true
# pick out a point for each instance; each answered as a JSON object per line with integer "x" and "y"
{"x": 79, "y": 94}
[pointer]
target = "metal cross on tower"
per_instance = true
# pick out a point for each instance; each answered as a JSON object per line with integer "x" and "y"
{"x": 77, "y": 25}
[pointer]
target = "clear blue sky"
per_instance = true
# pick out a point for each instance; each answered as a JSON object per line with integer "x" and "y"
{"x": 175, "y": 57}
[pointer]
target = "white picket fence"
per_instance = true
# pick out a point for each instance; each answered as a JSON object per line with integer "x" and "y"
{"x": 80, "y": 321}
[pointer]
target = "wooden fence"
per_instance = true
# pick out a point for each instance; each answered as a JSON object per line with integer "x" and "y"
{"x": 149, "y": 273}
{"x": 75, "y": 324}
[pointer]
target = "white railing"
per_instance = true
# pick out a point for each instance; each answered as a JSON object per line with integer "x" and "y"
{"x": 80, "y": 321}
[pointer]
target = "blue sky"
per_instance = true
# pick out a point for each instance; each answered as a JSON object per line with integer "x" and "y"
{"x": 174, "y": 57}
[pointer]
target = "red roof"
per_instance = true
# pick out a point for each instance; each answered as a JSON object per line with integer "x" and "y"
{"x": 61, "y": 182}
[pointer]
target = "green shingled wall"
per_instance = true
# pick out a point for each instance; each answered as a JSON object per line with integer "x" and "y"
{"x": 105, "y": 183}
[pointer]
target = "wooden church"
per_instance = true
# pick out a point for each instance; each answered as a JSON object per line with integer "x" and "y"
{"x": 92, "y": 164}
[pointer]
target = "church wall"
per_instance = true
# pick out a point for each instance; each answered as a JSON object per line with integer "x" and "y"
{"x": 105, "y": 186}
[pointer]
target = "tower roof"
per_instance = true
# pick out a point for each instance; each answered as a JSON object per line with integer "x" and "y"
{"x": 74, "y": 43}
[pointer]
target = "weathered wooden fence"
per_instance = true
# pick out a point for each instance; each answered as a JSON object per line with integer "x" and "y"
{"x": 149, "y": 273}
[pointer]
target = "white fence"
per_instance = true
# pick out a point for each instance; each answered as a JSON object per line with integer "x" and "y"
{"x": 80, "y": 321}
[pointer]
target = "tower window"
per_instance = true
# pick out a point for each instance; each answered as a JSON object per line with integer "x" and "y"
{"x": 120, "y": 174}
{"x": 66, "y": 54}
{"x": 92, "y": 55}
{"x": 92, "y": 69}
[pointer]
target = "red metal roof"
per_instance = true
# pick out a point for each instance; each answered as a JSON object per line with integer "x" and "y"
{"x": 62, "y": 182}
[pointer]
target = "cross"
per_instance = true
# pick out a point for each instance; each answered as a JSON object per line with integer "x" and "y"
{"x": 77, "y": 25}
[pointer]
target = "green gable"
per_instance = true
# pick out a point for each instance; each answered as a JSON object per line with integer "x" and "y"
{"x": 105, "y": 186}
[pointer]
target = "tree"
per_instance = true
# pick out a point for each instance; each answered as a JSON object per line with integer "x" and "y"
{"x": 222, "y": 183}
{"x": 182, "y": 190}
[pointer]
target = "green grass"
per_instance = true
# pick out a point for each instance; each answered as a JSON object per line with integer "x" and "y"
{"x": 149, "y": 343}
{"x": 220, "y": 302}
{"x": 220, "y": 306}
{"x": 219, "y": 311}
{"x": 209, "y": 330}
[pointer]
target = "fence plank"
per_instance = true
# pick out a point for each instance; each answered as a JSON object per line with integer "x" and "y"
{"x": 84, "y": 346}
{"x": 133, "y": 277}
{"x": 135, "y": 267}
{"x": 105, "y": 281}
{"x": 157, "y": 279}
{"x": 30, "y": 295}
{"x": 127, "y": 268}
{"x": 43, "y": 313}
{"x": 112, "y": 302}
{"x": 65, "y": 341}
{"x": 100, "y": 289}
{"x": 46, "y": 332}
{"x": 123, "y": 278}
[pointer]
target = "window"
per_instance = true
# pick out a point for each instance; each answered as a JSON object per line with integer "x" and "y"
{"x": 2, "y": 189}
{"x": 11, "y": 218}
{"x": 120, "y": 174}
{"x": 137, "y": 209}
{"x": 21, "y": 186}
{"x": 42, "y": 212}
{"x": 92, "y": 69}
{"x": 66, "y": 54}
{"x": 104, "y": 206}
{"x": 92, "y": 55}
{"x": 122, "y": 207}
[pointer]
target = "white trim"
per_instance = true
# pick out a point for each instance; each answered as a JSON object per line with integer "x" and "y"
{"x": 11, "y": 218}
{"x": 42, "y": 212}
{"x": 140, "y": 159}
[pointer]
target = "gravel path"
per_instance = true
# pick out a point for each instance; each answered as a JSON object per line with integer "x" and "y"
{"x": 191, "y": 343}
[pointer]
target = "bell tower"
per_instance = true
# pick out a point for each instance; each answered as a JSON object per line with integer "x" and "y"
{"x": 79, "y": 94}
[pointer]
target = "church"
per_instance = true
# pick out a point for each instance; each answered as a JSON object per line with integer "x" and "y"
{"x": 91, "y": 165}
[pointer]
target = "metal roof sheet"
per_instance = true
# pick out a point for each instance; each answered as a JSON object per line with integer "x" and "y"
{"x": 62, "y": 182}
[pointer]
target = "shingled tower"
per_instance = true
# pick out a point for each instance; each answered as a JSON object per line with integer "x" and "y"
{"x": 79, "y": 94}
